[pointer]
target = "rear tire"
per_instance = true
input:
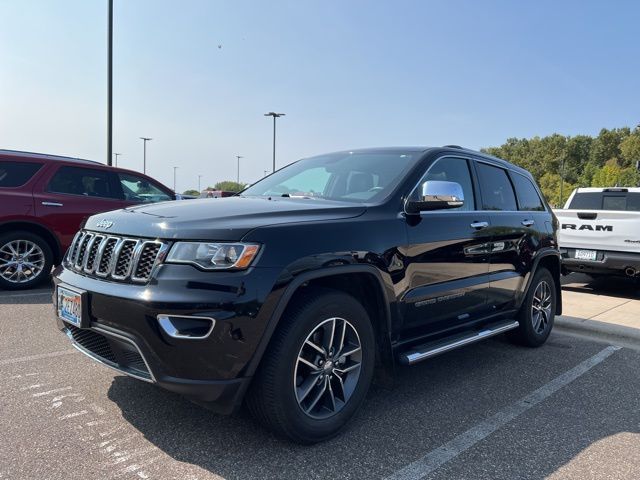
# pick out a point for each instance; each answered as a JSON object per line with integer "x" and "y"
{"x": 25, "y": 260}
{"x": 301, "y": 393}
{"x": 537, "y": 313}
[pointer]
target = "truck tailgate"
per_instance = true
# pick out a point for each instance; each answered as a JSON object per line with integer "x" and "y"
{"x": 599, "y": 230}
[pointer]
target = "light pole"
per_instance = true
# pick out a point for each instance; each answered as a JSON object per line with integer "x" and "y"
{"x": 561, "y": 183}
{"x": 110, "y": 84}
{"x": 144, "y": 155}
{"x": 174, "y": 178}
{"x": 238, "y": 177}
{"x": 199, "y": 177}
{"x": 274, "y": 115}
{"x": 116, "y": 155}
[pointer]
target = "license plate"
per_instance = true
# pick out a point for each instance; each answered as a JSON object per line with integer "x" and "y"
{"x": 586, "y": 254}
{"x": 69, "y": 306}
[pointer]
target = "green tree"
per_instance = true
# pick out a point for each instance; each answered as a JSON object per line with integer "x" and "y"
{"x": 550, "y": 186}
{"x": 630, "y": 149}
{"x": 191, "y": 192}
{"x": 230, "y": 186}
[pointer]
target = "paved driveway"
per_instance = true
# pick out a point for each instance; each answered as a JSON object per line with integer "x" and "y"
{"x": 493, "y": 410}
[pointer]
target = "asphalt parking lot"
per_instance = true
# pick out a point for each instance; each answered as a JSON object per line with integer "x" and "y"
{"x": 493, "y": 410}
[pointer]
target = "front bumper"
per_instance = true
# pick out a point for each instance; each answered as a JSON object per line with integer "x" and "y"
{"x": 124, "y": 333}
{"x": 607, "y": 262}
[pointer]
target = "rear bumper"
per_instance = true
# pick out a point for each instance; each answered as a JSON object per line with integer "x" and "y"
{"x": 607, "y": 262}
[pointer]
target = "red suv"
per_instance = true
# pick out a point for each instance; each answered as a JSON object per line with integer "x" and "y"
{"x": 44, "y": 199}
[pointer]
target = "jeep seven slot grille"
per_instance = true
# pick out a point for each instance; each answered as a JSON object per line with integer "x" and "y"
{"x": 114, "y": 257}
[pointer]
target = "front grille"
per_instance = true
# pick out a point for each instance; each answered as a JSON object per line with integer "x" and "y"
{"x": 114, "y": 352}
{"x": 118, "y": 258}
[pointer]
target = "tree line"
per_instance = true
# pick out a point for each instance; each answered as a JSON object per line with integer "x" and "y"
{"x": 607, "y": 160}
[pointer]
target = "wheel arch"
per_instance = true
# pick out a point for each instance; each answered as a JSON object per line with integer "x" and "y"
{"x": 363, "y": 282}
{"x": 37, "y": 229}
{"x": 549, "y": 259}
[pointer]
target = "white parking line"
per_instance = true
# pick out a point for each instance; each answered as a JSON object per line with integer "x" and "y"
{"x": 40, "y": 356}
{"x": 450, "y": 450}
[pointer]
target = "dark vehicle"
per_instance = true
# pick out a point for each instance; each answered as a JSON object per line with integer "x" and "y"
{"x": 43, "y": 201}
{"x": 291, "y": 295}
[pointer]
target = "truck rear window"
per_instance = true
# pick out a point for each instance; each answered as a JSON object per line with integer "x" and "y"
{"x": 16, "y": 174}
{"x": 623, "y": 201}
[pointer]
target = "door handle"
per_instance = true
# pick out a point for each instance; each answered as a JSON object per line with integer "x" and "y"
{"x": 52, "y": 204}
{"x": 528, "y": 223}
{"x": 479, "y": 225}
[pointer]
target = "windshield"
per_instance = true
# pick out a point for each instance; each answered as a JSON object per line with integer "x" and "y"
{"x": 347, "y": 176}
{"x": 625, "y": 201}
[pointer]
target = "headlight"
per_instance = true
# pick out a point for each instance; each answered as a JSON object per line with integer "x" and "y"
{"x": 214, "y": 256}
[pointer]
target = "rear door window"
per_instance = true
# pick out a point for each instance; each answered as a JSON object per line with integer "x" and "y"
{"x": 82, "y": 181}
{"x": 528, "y": 198}
{"x": 495, "y": 187}
{"x": 16, "y": 174}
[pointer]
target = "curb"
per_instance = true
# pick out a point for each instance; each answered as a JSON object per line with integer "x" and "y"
{"x": 611, "y": 330}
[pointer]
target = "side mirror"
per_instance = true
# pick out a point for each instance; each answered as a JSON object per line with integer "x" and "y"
{"x": 437, "y": 195}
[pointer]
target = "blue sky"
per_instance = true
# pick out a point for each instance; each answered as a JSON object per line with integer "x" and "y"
{"x": 197, "y": 76}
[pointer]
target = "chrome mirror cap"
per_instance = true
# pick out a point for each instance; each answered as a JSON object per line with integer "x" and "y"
{"x": 440, "y": 191}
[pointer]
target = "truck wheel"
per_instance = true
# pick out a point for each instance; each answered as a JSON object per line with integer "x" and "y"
{"x": 25, "y": 260}
{"x": 537, "y": 312}
{"x": 317, "y": 369}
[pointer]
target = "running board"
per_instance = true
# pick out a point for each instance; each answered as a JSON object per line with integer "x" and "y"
{"x": 428, "y": 350}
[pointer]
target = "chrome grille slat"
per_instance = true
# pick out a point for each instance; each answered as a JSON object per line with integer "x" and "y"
{"x": 74, "y": 247}
{"x": 123, "y": 259}
{"x": 82, "y": 248}
{"x": 91, "y": 253}
{"x": 104, "y": 256}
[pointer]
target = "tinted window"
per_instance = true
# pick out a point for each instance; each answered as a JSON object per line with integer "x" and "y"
{"x": 453, "y": 170}
{"x": 360, "y": 176}
{"x": 16, "y": 174}
{"x": 497, "y": 192}
{"x": 629, "y": 201}
{"x": 82, "y": 181}
{"x": 139, "y": 189}
{"x": 528, "y": 198}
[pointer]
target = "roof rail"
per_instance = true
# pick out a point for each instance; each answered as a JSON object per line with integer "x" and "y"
{"x": 46, "y": 156}
{"x": 453, "y": 146}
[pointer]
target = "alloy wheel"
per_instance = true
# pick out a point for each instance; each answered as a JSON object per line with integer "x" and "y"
{"x": 541, "y": 307}
{"x": 21, "y": 261}
{"x": 327, "y": 368}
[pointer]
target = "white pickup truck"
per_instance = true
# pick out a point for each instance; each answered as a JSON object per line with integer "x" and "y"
{"x": 599, "y": 231}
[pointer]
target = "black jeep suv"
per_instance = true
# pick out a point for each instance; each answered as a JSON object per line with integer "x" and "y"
{"x": 291, "y": 294}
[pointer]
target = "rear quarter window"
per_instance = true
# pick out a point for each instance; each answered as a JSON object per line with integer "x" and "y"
{"x": 16, "y": 174}
{"x": 528, "y": 198}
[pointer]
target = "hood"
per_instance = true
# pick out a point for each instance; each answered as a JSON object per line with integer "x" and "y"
{"x": 221, "y": 219}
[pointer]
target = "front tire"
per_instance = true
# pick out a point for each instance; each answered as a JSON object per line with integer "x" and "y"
{"x": 25, "y": 260}
{"x": 317, "y": 369}
{"x": 537, "y": 313}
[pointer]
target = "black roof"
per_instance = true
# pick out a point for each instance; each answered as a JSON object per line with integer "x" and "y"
{"x": 47, "y": 156}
